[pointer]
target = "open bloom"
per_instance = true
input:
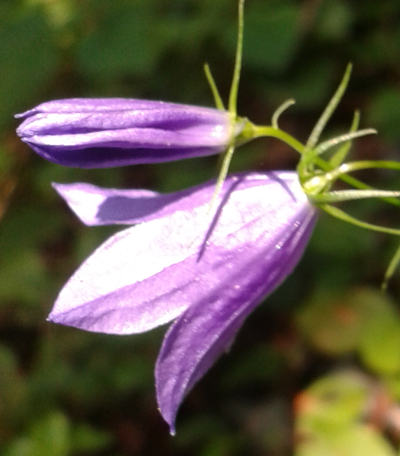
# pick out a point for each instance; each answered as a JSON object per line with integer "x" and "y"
{"x": 105, "y": 132}
{"x": 178, "y": 264}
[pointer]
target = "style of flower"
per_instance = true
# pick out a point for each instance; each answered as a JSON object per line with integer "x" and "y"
{"x": 205, "y": 272}
{"x": 107, "y": 132}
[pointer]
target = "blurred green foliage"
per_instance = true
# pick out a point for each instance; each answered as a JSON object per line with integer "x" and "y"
{"x": 323, "y": 352}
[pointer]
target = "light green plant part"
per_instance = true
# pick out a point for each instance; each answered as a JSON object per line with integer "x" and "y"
{"x": 342, "y": 171}
{"x": 393, "y": 265}
{"x": 346, "y": 138}
{"x": 329, "y": 110}
{"x": 317, "y": 175}
{"x": 214, "y": 89}
{"x": 232, "y": 106}
{"x": 342, "y": 215}
{"x": 339, "y": 156}
{"x": 226, "y": 160}
{"x": 238, "y": 61}
{"x": 280, "y": 110}
{"x": 340, "y": 196}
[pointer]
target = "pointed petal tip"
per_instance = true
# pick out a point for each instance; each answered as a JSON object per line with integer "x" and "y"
{"x": 20, "y": 115}
{"x": 60, "y": 188}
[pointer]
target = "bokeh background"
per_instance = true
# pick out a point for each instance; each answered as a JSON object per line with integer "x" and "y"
{"x": 316, "y": 369}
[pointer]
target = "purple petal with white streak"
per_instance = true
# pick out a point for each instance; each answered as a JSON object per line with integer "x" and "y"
{"x": 109, "y": 206}
{"x": 149, "y": 274}
{"x": 276, "y": 240}
{"x": 209, "y": 274}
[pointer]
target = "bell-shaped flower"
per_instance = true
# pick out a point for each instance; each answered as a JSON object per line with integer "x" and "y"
{"x": 106, "y": 132}
{"x": 179, "y": 262}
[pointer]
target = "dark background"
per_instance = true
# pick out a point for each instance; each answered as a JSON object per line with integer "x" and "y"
{"x": 316, "y": 369}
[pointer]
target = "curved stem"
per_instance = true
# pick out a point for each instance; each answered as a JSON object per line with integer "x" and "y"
{"x": 272, "y": 132}
{"x": 282, "y": 108}
{"x": 326, "y": 145}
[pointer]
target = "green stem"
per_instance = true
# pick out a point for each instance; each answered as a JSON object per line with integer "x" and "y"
{"x": 252, "y": 131}
{"x": 282, "y": 108}
{"x": 340, "y": 155}
{"x": 238, "y": 62}
{"x": 356, "y": 183}
{"x": 341, "y": 215}
{"x": 259, "y": 131}
{"x": 338, "y": 196}
{"x": 328, "y": 111}
{"x": 214, "y": 89}
{"x": 394, "y": 262}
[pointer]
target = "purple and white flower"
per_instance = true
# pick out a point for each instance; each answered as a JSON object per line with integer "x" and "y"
{"x": 205, "y": 273}
{"x": 107, "y": 132}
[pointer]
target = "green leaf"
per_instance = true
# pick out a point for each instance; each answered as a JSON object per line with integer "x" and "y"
{"x": 123, "y": 42}
{"x": 334, "y": 20}
{"x": 332, "y": 403}
{"x": 48, "y": 436}
{"x": 384, "y": 113}
{"x": 380, "y": 342}
{"x": 271, "y": 35}
{"x": 357, "y": 440}
{"x": 85, "y": 438}
{"x": 28, "y": 62}
{"x": 333, "y": 325}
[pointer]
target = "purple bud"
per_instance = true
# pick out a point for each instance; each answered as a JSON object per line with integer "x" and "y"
{"x": 107, "y": 132}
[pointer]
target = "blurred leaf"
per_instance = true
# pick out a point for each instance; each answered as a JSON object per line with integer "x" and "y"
{"x": 271, "y": 35}
{"x": 356, "y": 440}
{"x": 310, "y": 86}
{"x": 223, "y": 445}
{"x": 122, "y": 42}
{"x": 332, "y": 324}
{"x": 28, "y": 61}
{"x": 13, "y": 391}
{"x": 339, "y": 265}
{"x": 363, "y": 320}
{"x": 332, "y": 403}
{"x": 334, "y": 20}
{"x": 384, "y": 113}
{"x": 23, "y": 231}
{"x": 257, "y": 366}
{"x": 380, "y": 342}
{"x": 48, "y": 436}
{"x": 85, "y": 438}
{"x": 197, "y": 170}
{"x": 53, "y": 435}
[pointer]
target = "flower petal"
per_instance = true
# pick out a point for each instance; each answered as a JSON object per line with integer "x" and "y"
{"x": 97, "y": 133}
{"x": 149, "y": 274}
{"x": 237, "y": 280}
{"x": 108, "y": 206}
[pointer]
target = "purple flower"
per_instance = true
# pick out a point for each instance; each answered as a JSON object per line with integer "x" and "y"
{"x": 178, "y": 264}
{"x": 105, "y": 132}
